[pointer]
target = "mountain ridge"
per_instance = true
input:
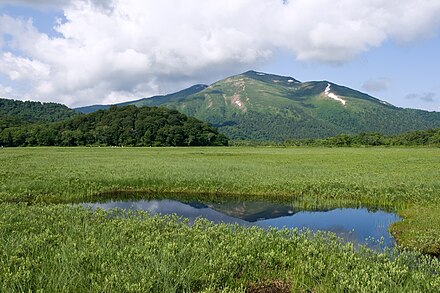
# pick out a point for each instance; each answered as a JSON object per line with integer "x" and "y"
{"x": 199, "y": 87}
{"x": 188, "y": 91}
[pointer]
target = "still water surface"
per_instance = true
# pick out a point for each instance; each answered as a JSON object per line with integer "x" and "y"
{"x": 355, "y": 225}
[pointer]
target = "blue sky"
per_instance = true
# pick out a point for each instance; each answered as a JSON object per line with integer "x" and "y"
{"x": 405, "y": 75}
{"x": 81, "y": 52}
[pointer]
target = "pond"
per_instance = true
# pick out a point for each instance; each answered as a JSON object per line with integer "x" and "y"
{"x": 358, "y": 225}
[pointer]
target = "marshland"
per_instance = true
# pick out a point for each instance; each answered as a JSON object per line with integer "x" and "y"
{"x": 51, "y": 242}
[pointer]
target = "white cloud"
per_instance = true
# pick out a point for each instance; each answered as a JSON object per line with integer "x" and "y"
{"x": 5, "y": 91}
{"x": 428, "y": 97}
{"x": 18, "y": 68}
{"x": 120, "y": 49}
{"x": 57, "y": 4}
{"x": 376, "y": 85}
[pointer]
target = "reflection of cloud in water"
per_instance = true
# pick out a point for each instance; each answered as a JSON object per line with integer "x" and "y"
{"x": 153, "y": 206}
{"x": 168, "y": 207}
{"x": 355, "y": 225}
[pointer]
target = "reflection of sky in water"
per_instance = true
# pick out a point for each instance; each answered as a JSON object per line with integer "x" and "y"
{"x": 354, "y": 225}
{"x": 351, "y": 224}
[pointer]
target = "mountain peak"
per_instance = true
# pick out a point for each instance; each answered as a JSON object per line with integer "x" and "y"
{"x": 268, "y": 77}
{"x": 196, "y": 87}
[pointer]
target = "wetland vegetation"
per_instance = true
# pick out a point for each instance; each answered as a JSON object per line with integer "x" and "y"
{"x": 48, "y": 244}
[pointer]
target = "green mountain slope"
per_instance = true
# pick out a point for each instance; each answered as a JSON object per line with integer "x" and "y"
{"x": 261, "y": 106}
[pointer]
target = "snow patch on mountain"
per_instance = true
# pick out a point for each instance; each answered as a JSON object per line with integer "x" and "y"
{"x": 237, "y": 102}
{"x": 331, "y": 95}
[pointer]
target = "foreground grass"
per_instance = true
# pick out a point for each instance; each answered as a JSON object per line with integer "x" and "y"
{"x": 42, "y": 243}
{"x": 58, "y": 248}
{"x": 420, "y": 229}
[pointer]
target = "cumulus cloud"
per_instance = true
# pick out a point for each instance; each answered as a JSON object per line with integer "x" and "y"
{"x": 18, "y": 68}
{"x": 425, "y": 97}
{"x": 57, "y": 4}
{"x": 120, "y": 49}
{"x": 5, "y": 91}
{"x": 376, "y": 85}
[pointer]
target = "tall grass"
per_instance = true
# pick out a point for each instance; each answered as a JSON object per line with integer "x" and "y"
{"x": 58, "y": 248}
{"x": 382, "y": 176}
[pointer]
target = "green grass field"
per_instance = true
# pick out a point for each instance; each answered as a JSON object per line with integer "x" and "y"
{"x": 43, "y": 239}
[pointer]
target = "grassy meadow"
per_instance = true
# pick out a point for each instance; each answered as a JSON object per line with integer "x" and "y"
{"x": 46, "y": 244}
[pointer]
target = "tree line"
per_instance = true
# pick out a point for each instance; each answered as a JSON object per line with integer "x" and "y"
{"x": 429, "y": 137}
{"x": 413, "y": 138}
{"x": 117, "y": 126}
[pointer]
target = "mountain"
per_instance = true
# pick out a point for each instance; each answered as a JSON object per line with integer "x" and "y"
{"x": 260, "y": 106}
{"x": 117, "y": 126}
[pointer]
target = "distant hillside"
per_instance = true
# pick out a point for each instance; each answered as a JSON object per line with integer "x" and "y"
{"x": 117, "y": 126}
{"x": 13, "y": 110}
{"x": 430, "y": 137}
{"x": 260, "y": 106}
{"x": 153, "y": 101}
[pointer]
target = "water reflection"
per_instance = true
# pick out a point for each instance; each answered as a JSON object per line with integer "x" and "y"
{"x": 356, "y": 225}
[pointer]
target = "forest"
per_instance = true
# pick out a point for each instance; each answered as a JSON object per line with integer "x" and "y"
{"x": 118, "y": 126}
{"x": 12, "y": 111}
{"x": 430, "y": 137}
